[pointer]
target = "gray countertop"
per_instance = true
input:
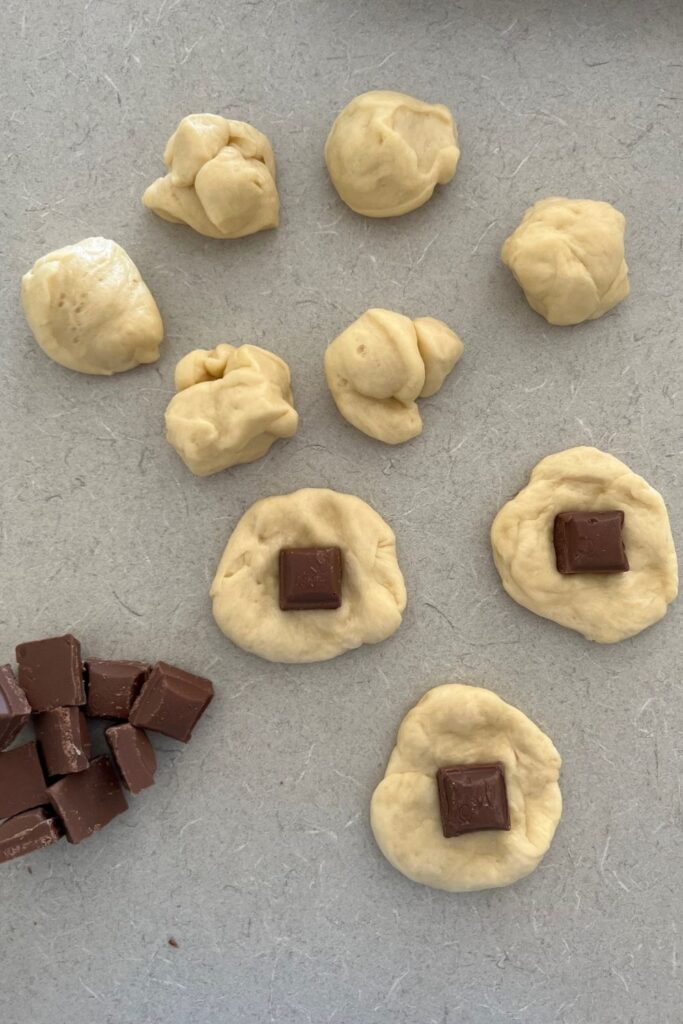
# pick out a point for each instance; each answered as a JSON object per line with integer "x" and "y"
{"x": 254, "y": 851}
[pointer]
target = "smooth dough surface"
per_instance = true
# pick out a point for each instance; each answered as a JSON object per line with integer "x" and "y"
{"x": 382, "y": 363}
{"x": 220, "y": 181}
{"x": 608, "y": 607}
{"x": 232, "y": 405}
{"x": 245, "y": 588}
{"x": 387, "y": 152}
{"x": 459, "y": 724}
{"x": 568, "y": 257}
{"x": 90, "y": 310}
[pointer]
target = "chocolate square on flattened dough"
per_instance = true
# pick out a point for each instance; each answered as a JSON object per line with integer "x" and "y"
{"x": 171, "y": 702}
{"x": 14, "y": 708}
{"x": 113, "y": 686}
{"x": 589, "y": 542}
{"x": 472, "y": 798}
{"x": 51, "y": 672}
{"x": 310, "y": 579}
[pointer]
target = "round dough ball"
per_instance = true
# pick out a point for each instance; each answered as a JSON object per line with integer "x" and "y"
{"x": 568, "y": 257}
{"x": 232, "y": 405}
{"x": 604, "y": 607}
{"x": 456, "y": 724}
{"x": 379, "y": 365}
{"x": 387, "y": 152}
{"x": 221, "y": 179}
{"x": 245, "y": 588}
{"x": 90, "y": 310}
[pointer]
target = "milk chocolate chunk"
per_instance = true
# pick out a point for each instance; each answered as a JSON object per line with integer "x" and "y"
{"x": 589, "y": 542}
{"x": 171, "y": 701}
{"x": 22, "y": 783}
{"x": 27, "y": 832}
{"x": 64, "y": 740}
{"x": 133, "y": 755}
{"x": 89, "y": 800}
{"x": 472, "y": 798}
{"x": 14, "y": 708}
{"x": 113, "y": 686}
{"x": 310, "y": 579}
{"x": 51, "y": 673}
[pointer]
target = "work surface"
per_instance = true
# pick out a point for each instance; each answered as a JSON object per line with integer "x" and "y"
{"x": 254, "y": 850}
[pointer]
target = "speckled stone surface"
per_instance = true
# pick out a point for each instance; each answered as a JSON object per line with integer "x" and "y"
{"x": 253, "y": 851}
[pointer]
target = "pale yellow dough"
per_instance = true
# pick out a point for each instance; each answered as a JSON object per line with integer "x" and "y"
{"x": 604, "y": 607}
{"x": 245, "y": 588}
{"x": 220, "y": 181}
{"x": 382, "y": 363}
{"x": 232, "y": 405}
{"x": 90, "y": 310}
{"x": 456, "y": 724}
{"x": 568, "y": 257}
{"x": 387, "y": 152}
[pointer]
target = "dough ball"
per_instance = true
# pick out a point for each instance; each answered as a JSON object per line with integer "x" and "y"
{"x": 387, "y": 152}
{"x": 456, "y": 724}
{"x": 90, "y": 310}
{"x": 245, "y": 588}
{"x": 605, "y": 608}
{"x": 220, "y": 181}
{"x": 379, "y": 365}
{"x": 232, "y": 404}
{"x": 568, "y": 257}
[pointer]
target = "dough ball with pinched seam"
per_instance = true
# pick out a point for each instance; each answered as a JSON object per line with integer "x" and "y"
{"x": 245, "y": 588}
{"x": 382, "y": 363}
{"x": 387, "y": 152}
{"x": 603, "y": 607}
{"x": 220, "y": 181}
{"x": 457, "y": 724}
{"x": 90, "y": 310}
{"x": 568, "y": 257}
{"x": 232, "y": 405}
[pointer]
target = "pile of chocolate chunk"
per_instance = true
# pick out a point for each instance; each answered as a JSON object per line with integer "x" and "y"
{"x": 53, "y": 787}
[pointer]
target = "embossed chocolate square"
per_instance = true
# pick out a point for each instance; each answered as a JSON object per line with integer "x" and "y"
{"x": 472, "y": 798}
{"x": 310, "y": 579}
{"x": 589, "y": 542}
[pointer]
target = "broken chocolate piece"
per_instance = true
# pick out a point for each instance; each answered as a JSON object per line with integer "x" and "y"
{"x": 472, "y": 798}
{"x": 310, "y": 579}
{"x": 22, "y": 783}
{"x": 113, "y": 686}
{"x": 14, "y": 708}
{"x": 589, "y": 542}
{"x": 89, "y": 800}
{"x": 133, "y": 755}
{"x": 51, "y": 673}
{"x": 27, "y": 832}
{"x": 171, "y": 702}
{"x": 64, "y": 740}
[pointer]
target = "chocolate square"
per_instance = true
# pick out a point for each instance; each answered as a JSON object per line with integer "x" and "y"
{"x": 310, "y": 579}
{"x": 22, "y": 783}
{"x": 113, "y": 686}
{"x": 133, "y": 755}
{"x": 589, "y": 542}
{"x": 64, "y": 740}
{"x": 27, "y": 832}
{"x": 89, "y": 800}
{"x": 14, "y": 708}
{"x": 171, "y": 702}
{"x": 472, "y": 798}
{"x": 51, "y": 672}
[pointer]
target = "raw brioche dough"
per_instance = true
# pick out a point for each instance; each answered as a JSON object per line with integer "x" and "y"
{"x": 232, "y": 404}
{"x": 380, "y": 364}
{"x": 605, "y": 608}
{"x": 387, "y": 151}
{"x": 568, "y": 257}
{"x": 90, "y": 310}
{"x": 221, "y": 179}
{"x": 245, "y": 588}
{"x": 456, "y": 724}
